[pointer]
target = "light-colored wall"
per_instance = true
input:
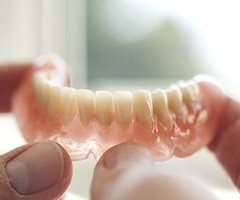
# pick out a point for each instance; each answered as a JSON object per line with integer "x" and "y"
{"x": 19, "y": 31}
{"x": 29, "y": 28}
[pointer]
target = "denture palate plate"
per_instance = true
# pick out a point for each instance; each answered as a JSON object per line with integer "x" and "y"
{"x": 68, "y": 103}
{"x": 142, "y": 108}
{"x": 160, "y": 107}
{"x": 86, "y": 105}
{"x": 123, "y": 108}
{"x": 175, "y": 101}
{"x": 104, "y": 107}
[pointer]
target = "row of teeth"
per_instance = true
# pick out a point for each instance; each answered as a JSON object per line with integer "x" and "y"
{"x": 122, "y": 105}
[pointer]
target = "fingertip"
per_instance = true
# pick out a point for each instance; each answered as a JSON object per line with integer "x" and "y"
{"x": 126, "y": 154}
{"x": 67, "y": 168}
{"x": 115, "y": 164}
{"x": 39, "y": 171}
{"x": 226, "y": 149}
{"x": 126, "y": 171}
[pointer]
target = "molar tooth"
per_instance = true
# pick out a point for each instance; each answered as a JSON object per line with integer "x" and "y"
{"x": 186, "y": 93}
{"x": 42, "y": 95}
{"x": 142, "y": 106}
{"x": 41, "y": 87}
{"x": 190, "y": 93}
{"x": 175, "y": 100}
{"x": 37, "y": 85}
{"x": 104, "y": 107}
{"x": 37, "y": 78}
{"x": 69, "y": 105}
{"x": 160, "y": 107}
{"x": 86, "y": 105}
{"x": 195, "y": 90}
{"x": 123, "y": 108}
{"x": 54, "y": 100}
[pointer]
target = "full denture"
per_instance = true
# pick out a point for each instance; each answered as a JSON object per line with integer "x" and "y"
{"x": 176, "y": 121}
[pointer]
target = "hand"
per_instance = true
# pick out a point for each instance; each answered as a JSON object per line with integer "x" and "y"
{"x": 127, "y": 171}
{"x": 34, "y": 171}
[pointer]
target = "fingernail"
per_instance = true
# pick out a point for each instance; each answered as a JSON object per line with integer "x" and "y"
{"x": 36, "y": 169}
{"x": 127, "y": 154}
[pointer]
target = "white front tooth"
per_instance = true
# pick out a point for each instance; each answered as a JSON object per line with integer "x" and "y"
{"x": 160, "y": 107}
{"x": 54, "y": 100}
{"x": 104, "y": 107}
{"x": 142, "y": 106}
{"x": 175, "y": 101}
{"x": 123, "y": 108}
{"x": 86, "y": 105}
{"x": 68, "y": 104}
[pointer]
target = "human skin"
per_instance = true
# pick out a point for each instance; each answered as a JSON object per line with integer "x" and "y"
{"x": 122, "y": 159}
{"x": 44, "y": 160}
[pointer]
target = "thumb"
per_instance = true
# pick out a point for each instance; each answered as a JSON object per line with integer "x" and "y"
{"x": 38, "y": 171}
{"x": 126, "y": 171}
{"x": 118, "y": 169}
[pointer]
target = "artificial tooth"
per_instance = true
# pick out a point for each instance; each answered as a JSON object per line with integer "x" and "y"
{"x": 68, "y": 103}
{"x": 160, "y": 107}
{"x": 86, "y": 105}
{"x": 37, "y": 85}
{"x": 175, "y": 101}
{"x": 123, "y": 108}
{"x": 37, "y": 78}
{"x": 43, "y": 95}
{"x": 189, "y": 93}
{"x": 104, "y": 107}
{"x": 142, "y": 106}
{"x": 54, "y": 100}
{"x": 195, "y": 90}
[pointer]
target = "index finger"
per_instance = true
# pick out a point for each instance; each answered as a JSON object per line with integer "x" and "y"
{"x": 225, "y": 146}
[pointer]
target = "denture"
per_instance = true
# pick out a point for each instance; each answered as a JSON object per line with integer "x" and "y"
{"x": 176, "y": 121}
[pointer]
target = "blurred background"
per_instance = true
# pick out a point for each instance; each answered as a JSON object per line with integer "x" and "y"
{"x": 128, "y": 44}
{"x": 131, "y": 40}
